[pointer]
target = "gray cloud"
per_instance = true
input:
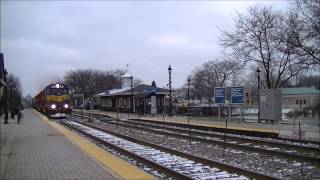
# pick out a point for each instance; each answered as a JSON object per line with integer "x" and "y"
{"x": 43, "y": 40}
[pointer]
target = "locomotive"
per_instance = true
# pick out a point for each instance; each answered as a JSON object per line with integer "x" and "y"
{"x": 53, "y": 101}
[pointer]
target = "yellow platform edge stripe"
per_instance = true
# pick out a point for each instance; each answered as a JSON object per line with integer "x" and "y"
{"x": 119, "y": 168}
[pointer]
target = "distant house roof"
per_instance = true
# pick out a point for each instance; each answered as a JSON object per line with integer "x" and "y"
{"x": 136, "y": 90}
{"x": 299, "y": 91}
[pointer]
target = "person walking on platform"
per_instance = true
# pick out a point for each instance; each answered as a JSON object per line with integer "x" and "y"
{"x": 12, "y": 113}
{"x": 19, "y": 114}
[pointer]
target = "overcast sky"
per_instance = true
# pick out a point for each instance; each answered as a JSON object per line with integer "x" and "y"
{"x": 43, "y": 40}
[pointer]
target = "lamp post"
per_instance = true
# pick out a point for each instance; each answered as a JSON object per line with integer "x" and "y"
{"x": 14, "y": 97}
{"x": 131, "y": 99}
{"x": 5, "y": 99}
{"x": 11, "y": 93}
{"x": 258, "y": 76}
{"x": 188, "y": 94}
{"x": 170, "y": 91}
{"x": 189, "y": 108}
{"x": 300, "y": 105}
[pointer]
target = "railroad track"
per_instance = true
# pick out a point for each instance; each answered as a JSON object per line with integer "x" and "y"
{"x": 171, "y": 162}
{"x": 258, "y": 137}
{"x": 290, "y": 151}
{"x": 234, "y": 132}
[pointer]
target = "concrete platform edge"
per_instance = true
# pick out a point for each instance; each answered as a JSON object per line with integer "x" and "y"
{"x": 120, "y": 169}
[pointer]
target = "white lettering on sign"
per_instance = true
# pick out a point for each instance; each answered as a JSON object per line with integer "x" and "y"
{"x": 237, "y": 91}
{"x": 220, "y": 92}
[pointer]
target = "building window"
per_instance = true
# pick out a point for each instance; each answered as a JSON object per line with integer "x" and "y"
{"x": 248, "y": 101}
{"x": 304, "y": 101}
{"x": 297, "y": 101}
{"x": 247, "y": 94}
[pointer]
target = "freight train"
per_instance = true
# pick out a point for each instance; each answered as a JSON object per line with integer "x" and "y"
{"x": 53, "y": 101}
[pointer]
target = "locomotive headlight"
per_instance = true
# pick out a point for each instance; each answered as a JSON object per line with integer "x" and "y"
{"x": 66, "y": 106}
{"x": 53, "y": 106}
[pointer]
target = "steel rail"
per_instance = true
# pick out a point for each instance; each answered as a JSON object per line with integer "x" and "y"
{"x": 228, "y": 137}
{"x": 232, "y": 138}
{"x": 221, "y": 130}
{"x": 311, "y": 159}
{"x": 227, "y": 167}
{"x": 155, "y": 165}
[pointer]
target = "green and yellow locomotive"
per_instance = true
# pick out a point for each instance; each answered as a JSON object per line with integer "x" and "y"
{"x": 54, "y": 100}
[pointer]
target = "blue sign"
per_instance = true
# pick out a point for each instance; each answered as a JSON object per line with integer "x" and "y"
{"x": 151, "y": 89}
{"x": 219, "y": 95}
{"x": 237, "y": 96}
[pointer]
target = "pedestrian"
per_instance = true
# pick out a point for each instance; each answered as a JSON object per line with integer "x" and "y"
{"x": 19, "y": 115}
{"x": 12, "y": 113}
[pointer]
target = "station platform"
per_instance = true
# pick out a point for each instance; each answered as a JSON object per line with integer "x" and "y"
{"x": 39, "y": 148}
{"x": 201, "y": 121}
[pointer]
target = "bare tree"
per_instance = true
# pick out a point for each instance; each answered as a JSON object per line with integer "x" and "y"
{"x": 264, "y": 36}
{"x": 14, "y": 91}
{"x": 202, "y": 83}
{"x": 309, "y": 81}
{"x": 77, "y": 80}
{"x": 307, "y": 30}
{"x": 212, "y": 74}
{"x": 90, "y": 82}
{"x": 221, "y": 70}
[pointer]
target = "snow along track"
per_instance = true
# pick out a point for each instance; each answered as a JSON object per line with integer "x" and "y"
{"x": 179, "y": 164}
{"x": 307, "y": 154}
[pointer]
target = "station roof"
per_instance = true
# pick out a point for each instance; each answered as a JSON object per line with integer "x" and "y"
{"x": 299, "y": 91}
{"x": 142, "y": 88}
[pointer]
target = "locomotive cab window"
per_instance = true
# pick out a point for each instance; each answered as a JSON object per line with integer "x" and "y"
{"x": 56, "y": 91}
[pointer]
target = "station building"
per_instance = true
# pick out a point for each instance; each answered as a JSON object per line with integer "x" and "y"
{"x": 146, "y": 98}
{"x": 292, "y": 98}
{"x": 300, "y": 97}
